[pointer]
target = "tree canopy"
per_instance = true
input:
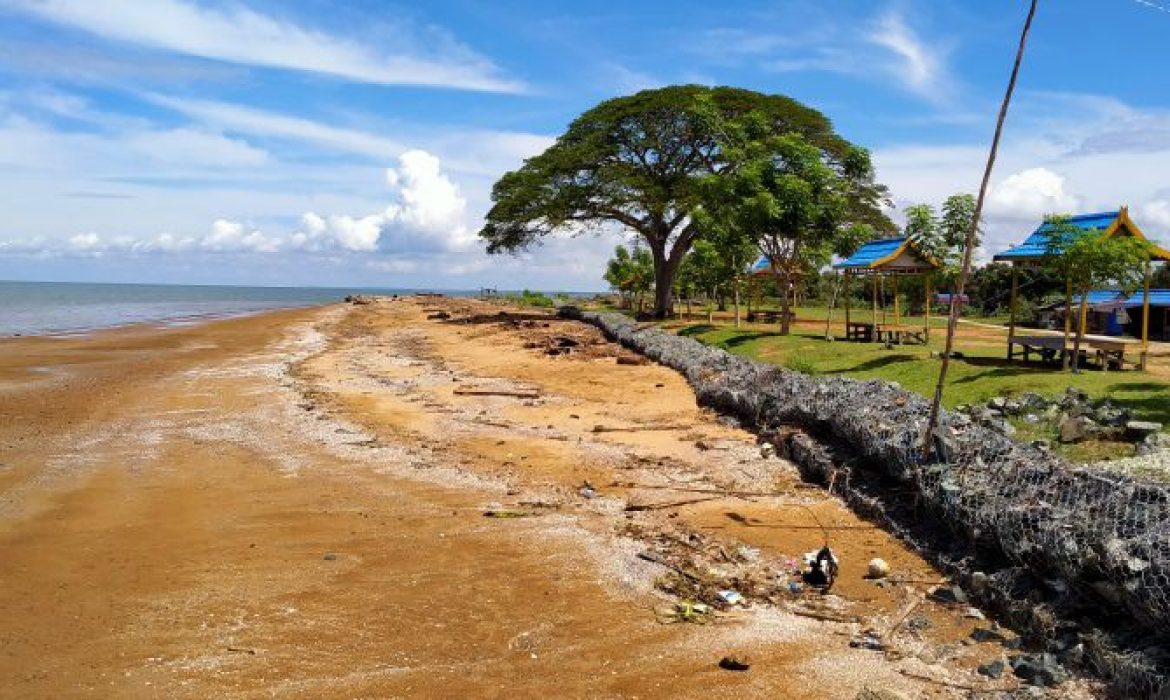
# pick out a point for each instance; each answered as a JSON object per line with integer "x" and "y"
{"x": 1087, "y": 259}
{"x": 644, "y": 163}
{"x": 631, "y": 274}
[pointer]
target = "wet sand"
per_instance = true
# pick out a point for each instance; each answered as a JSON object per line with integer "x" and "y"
{"x": 291, "y": 505}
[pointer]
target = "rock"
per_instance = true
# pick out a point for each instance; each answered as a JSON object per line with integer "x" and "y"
{"x": 1031, "y": 418}
{"x": 767, "y": 450}
{"x": 997, "y": 403}
{"x": 985, "y": 634}
{"x": 879, "y": 694}
{"x": 993, "y": 669}
{"x": 1075, "y": 428}
{"x": 877, "y": 568}
{"x": 949, "y": 594}
{"x": 734, "y": 663}
{"x": 329, "y": 557}
{"x": 1073, "y": 397}
{"x": 1108, "y": 414}
{"x": 1141, "y": 429}
{"x": 1041, "y": 670}
{"x": 438, "y": 316}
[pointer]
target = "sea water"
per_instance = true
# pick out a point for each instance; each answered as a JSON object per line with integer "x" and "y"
{"x": 41, "y": 308}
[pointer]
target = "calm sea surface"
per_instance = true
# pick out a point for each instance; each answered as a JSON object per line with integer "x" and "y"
{"x": 33, "y": 308}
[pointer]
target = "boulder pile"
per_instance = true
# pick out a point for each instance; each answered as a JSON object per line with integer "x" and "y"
{"x": 1047, "y": 544}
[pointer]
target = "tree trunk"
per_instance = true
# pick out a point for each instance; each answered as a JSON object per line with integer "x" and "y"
{"x": 785, "y": 307}
{"x": 664, "y": 271}
{"x": 736, "y": 283}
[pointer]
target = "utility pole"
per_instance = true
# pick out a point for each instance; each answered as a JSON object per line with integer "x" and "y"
{"x": 969, "y": 243}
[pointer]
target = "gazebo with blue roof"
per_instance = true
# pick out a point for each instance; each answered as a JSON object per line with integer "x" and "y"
{"x": 1036, "y": 248}
{"x": 887, "y": 257}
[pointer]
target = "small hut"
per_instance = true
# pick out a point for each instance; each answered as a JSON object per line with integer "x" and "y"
{"x": 887, "y": 258}
{"x": 1036, "y": 248}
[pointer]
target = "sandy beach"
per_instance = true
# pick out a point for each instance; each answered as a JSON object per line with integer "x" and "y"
{"x": 292, "y": 505}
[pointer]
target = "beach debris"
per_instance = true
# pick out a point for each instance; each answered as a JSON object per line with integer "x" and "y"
{"x": 795, "y": 588}
{"x": 767, "y": 450}
{"x": 330, "y": 556}
{"x": 438, "y": 316}
{"x": 731, "y": 597}
{"x": 748, "y": 554}
{"x": 974, "y": 614}
{"x": 505, "y": 514}
{"x": 359, "y": 299}
{"x": 822, "y": 568}
{"x": 515, "y": 393}
{"x": 587, "y": 491}
{"x": 637, "y": 428}
{"x": 868, "y": 639}
{"x": 985, "y": 634}
{"x": 686, "y": 611}
{"x": 734, "y": 663}
{"x": 879, "y": 694}
{"x": 877, "y": 568}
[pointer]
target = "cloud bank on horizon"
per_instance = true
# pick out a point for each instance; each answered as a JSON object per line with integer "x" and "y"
{"x": 260, "y": 143}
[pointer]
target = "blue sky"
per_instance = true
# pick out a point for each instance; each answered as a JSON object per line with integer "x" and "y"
{"x": 355, "y": 143}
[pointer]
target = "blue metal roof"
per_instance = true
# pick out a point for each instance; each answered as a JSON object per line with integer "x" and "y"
{"x": 1036, "y": 245}
{"x": 1158, "y": 297}
{"x": 760, "y": 265}
{"x": 1101, "y": 296}
{"x": 870, "y": 253}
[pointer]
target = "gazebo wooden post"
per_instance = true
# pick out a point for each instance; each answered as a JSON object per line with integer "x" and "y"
{"x": 1145, "y": 319}
{"x": 874, "y": 279}
{"x": 897, "y": 309}
{"x": 1012, "y": 305}
{"x": 926, "y": 307}
{"x": 848, "y": 293}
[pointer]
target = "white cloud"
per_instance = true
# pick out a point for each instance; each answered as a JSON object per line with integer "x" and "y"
{"x": 236, "y": 34}
{"x": 430, "y": 215}
{"x": 1030, "y": 194}
{"x": 1157, "y": 213}
{"x": 919, "y": 63}
{"x": 192, "y": 146}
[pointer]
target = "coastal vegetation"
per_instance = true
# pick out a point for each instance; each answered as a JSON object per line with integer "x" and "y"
{"x": 675, "y": 164}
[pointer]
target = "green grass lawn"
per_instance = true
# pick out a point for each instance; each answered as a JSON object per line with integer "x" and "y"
{"x": 982, "y": 373}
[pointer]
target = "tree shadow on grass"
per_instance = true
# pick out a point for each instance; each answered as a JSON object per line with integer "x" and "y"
{"x": 879, "y": 362}
{"x": 1155, "y": 408}
{"x": 998, "y": 373}
{"x": 697, "y": 329}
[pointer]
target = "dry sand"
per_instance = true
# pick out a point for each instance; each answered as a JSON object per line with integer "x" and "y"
{"x": 291, "y": 505}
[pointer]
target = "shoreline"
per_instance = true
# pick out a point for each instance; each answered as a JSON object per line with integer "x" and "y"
{"x": 293, "y": 503}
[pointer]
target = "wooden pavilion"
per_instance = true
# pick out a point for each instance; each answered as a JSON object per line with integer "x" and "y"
{"x": 887, "y": 258}
{"x": 1034, "y": 250}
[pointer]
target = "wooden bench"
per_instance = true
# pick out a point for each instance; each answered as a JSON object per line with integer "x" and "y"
{"x": 893, "y": 333}
{"x": 1107, "y": 351}
{"x": 768, "y": 316}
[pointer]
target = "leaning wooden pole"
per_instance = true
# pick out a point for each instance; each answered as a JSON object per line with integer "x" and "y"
{"x": 969, "y": 243}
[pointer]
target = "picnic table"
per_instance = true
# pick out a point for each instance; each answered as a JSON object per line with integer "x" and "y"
{"x": 1107, "y": 351}
{"x": 896, "y": 333}
{"x": 859, "y": 331}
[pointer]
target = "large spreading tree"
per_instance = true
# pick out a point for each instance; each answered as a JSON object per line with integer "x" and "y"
{"x": 643, "y": 163}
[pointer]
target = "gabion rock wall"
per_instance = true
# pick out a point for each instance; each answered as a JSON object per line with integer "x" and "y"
{"x": 1020, "y": 518}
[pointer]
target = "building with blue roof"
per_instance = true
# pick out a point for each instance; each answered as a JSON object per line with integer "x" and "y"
{"x": 1037, "y": 246}
{"x": 1113, "y": 320}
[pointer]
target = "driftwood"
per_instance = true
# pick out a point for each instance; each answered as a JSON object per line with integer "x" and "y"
{"x": 638, "y": 428}
{"x": 515, "y": 393}
{"x": 659, "y": 506}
